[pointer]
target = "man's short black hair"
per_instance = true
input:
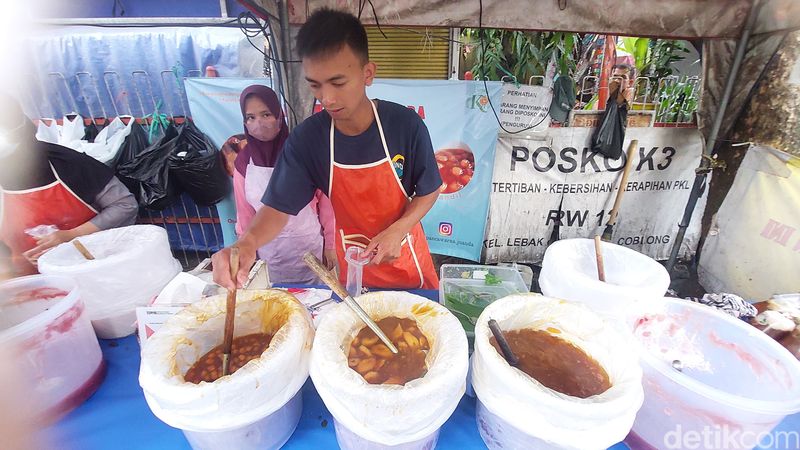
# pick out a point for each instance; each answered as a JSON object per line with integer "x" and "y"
{"x": 327, "y": 31}
{"x": 627, "y": 67}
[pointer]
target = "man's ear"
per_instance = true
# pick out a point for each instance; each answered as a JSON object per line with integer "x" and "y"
{"x": 369, "y": 73}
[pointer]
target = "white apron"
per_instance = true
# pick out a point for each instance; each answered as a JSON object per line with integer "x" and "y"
{"x": 303, "y": 233}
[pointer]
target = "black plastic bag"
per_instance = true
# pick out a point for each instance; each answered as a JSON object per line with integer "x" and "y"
{"x": 90, "y": 132}
{"x": 144, "y": 168}
{"x": 610, "y": 133}
{"x": 198, "y": 166}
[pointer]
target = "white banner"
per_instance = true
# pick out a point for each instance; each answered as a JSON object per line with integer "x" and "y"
{"x": 753, "y": 246}
{"x": 525, "y": 108}
{"x": 532, "y": 178}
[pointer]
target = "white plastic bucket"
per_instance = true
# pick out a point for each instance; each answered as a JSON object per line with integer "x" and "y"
{"x": 569, "y": 272}
{"x": 516, "y": 411}
{"x": 735, "y": 385}
{"x": 57, "y": 348}
{"x": 271, "y": 432}
{"x": 379, "y": 416}
{"x": 131, "y": 266}
{"x": 348, "y": 440}
{"x": 259, "y": 405}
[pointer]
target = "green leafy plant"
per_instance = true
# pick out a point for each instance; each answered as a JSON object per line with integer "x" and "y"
{"x": 677, "y": 102}
{"x": 517, "y": 54}
{"x": 492, "y": 280}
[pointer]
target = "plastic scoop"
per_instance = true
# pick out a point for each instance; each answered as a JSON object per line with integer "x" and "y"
{"x": 356, "y": 260}
{"x": 509, "y": 355}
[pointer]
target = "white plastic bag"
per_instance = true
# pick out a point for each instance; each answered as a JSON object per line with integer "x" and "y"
{"x": 390, "y": 414}
{"x": 69, "y": 134}
{"x": 569, "y": 271}
{"x": 253, "y": 392}
{"x": 72, "y": 132}
{"x": 108, "y": 141}
{"x": 534, "y": 416}
{"x": 47, "y": 133}
{"x": 131, "y": 266}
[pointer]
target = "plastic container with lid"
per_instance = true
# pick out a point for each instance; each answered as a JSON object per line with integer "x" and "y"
{"x": 43, "y": 318}
{"x": 466, "y": 289}
{"x": 709, "y": 374}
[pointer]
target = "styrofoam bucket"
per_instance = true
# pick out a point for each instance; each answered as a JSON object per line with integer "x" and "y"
{"x": 43, "y": 318}
{"x": 734, "y": 384}
{"x": 271, "y": 432}
{"x": 569, "y": 272}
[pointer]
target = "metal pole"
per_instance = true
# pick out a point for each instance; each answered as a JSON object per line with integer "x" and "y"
{"x": 705, "y": 167}
{"x": 286, "y": 53}
{"x": 143, "y": 21}
{"x": 223, "y": 8}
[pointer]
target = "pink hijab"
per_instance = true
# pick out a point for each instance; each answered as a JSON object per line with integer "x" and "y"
{"x": 264, "y": 154}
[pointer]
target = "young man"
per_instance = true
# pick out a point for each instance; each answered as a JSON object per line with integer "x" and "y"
{"x": 374, "y": 159}
{"x": 622, "y": 78}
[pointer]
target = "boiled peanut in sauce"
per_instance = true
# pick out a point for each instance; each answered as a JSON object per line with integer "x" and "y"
{"x": 556, "y": 363}
{"x": 243, "y": 350}
{"x": 378, "y": 365}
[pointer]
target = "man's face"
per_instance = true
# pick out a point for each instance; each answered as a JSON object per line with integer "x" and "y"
{"x": 339, "y": 80}
{"x": 623, "y": 75}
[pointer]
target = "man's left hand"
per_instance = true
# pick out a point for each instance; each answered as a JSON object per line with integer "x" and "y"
{"x": 45, "y": 243}
{"x": 386, "y": 245}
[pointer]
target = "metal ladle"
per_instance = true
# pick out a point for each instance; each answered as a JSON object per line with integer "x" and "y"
{"x": 330, "y": 280}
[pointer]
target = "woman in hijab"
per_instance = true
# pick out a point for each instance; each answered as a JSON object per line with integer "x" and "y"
{"x": 312, "y": 229}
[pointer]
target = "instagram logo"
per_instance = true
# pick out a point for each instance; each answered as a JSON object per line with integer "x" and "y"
{"x": 445, "y": 228}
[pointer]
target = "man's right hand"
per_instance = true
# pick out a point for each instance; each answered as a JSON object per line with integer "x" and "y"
{"x": 221, "y": 264}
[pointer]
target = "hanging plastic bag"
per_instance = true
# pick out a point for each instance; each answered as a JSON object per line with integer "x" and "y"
{"x": 72, "y": 131}
{"x": 368, "y": 415}
{"x": 198, "y": 166}
{"x": 90, "y": 133}
{"x": 108, "y": 141}
{"x": 516, "y": 411}
{"x": 146, "y": 172}
{"x": 47, "y": 131}
{"x": 607, "y": 138}
{"x": 266, "y": 385}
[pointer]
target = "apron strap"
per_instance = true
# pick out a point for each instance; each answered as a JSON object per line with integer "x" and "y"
{"x": 385, "y": 151}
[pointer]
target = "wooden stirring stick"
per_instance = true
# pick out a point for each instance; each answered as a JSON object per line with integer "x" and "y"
{"x": 509, "y": 355}
{"x": 601, "y": 271}
{"x": 84, "y": 251}
{"x": 230, "y": 313}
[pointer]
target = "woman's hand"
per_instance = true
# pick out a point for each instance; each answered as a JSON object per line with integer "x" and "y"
{"x": 45, "y": 243}
{"x": 329, "y": 258}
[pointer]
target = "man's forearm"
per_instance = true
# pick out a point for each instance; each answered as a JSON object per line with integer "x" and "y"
{"x": 266, "y": 225}
{"x": 416, "y": 210}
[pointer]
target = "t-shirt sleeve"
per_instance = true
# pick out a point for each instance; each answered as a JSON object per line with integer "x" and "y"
{"x": 425, "y": 172}
{"x": 291, "y": 186}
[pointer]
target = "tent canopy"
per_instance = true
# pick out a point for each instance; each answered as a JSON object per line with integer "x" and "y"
{"x": 678, "y": 19}
{"x": 719, "y": 22}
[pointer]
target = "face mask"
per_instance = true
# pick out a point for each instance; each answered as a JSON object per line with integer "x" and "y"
{"x": 263, "y": 129}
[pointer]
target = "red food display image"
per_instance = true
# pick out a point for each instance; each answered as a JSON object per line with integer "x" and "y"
{"x": 456, "y": 166}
